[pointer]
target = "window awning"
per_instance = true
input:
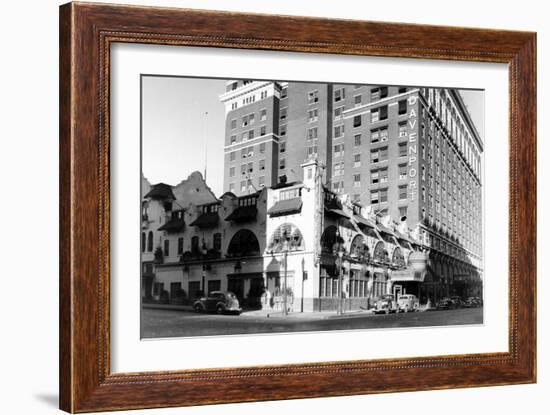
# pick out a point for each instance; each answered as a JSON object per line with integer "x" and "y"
{"x": 363, "y": 221}
{"x": 286, "y": 207}
{"x": 206, "y": 220}
{"x": 173, "y": 225}
{"x": 243, "y": 213}
{"x": 337, "y": 212}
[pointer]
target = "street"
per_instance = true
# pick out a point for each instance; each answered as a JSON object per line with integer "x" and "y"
{"x": 174, "y": 323}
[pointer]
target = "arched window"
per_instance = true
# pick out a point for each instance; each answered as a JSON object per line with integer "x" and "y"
{"x": 150, "y": 242}
{"x": 243, "y": 243}
{"x": 143, "y": 241}
{"x": 286, "y": 232}
{"x": 397, "y": 258}
{"x": 358, "y": 248}
{"x": 217, "y": 242}
{"x": 380, "y": 253}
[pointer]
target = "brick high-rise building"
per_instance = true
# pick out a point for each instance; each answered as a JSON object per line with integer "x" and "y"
{"x": 409, "y": 153}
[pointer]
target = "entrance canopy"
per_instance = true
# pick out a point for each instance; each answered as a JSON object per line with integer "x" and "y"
{"x": 409, "y": 274}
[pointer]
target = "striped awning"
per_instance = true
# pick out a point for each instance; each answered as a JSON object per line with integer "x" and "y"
{"x": 286, "y": 207}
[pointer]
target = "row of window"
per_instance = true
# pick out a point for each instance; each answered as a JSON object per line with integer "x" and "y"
{"x": 248, "y": 135}
{"x": 247, "y": 185}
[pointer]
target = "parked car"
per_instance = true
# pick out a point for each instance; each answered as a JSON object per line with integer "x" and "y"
{"x": 407, "y": 302}
{"x": 445, "y": 304}
{"x": 459, "y": 303}
{"x": 385, "y": 304}
{"x": 219, "y": 302}
{"x": 472, "y": 302}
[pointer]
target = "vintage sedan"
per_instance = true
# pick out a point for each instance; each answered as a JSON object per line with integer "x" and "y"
{"x": 385, "y": 304}
{"x": 445, "y": 304}
{"x": 407, "y": 302}
{"x": 218, "y": 302}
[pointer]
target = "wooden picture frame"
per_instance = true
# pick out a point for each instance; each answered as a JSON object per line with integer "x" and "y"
{"x": 86, "y": 33}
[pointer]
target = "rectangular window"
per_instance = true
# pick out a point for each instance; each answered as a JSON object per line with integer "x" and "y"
{"x": 263, "y": 114}
{"x": 180, "y": 246}
{"x": 374, "y": 197}
{"x": 284, "y": 93}
{"x": 383, "y": 133}
{"x": 262, "y": 148}
{"x": 402, "y": 149}
{"x": 313, "y": 115}
{"x": 403, "y": 211}
{"x": 357, "y": 100}
{"x": 262, "y": 165}
{"x": 250, "y": 167}
{"x": 338, "y": 112}
{"x": 402, "y": 129}
{"x": 384, "y": 175}
{"x": 356, "y": 121}
{"x": 403, "y": 192}
{"x": 261, "y": 181}
{"x": 339, "y": 94}
{"x": 232, "y": 187}
{"x": 357, "y": 140}
{"x": 313, "y": 97}
{"x": 312, "y": 133}
{"x": 166, "y": 247}
{"x": 282, "y": 164}
{"x": 384, "y": 112}
{"x": 402, "y": 171}
{"x": 262, "y": 130}
{"x": 338, "y": 131}
{"x": 375, "y": 176}
{"x": 243, "y": 169}
{"x": 357, "y": 160}
{"x": 383, "y": 195}
{"x": 251, "y": 134}
{"x": 282, "y": 147}
{"x": 283, "y": 113}
{"x": 339, "y": 150}
{"x": 233, "y": 124}
{"x": 233, "y": 139}
{"x": 282, "y": 130}
{"x": 243, "y": 186}
{"x": 402, "y": 107}
{"x": 232, "y": 156}
{"x": 356, "y": 180}
{"x": 402, "y": 89}
{"x": 232, "y": 172}
{"x": 339, "y": 169}
{"x": 380, "y": 154}
{"x": 379, "y": 114}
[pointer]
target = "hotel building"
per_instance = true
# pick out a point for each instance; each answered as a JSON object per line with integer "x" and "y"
{"x": 409, "y": 153}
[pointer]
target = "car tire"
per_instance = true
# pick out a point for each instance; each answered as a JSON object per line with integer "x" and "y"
{"x": 219, "y": 309}
{"x": 197, "y": 308}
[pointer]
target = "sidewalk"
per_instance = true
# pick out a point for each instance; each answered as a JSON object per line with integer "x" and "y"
{"x": 270, "y": 313}
{"x": 167, "y": 306}
{"x": 306, "y": 315}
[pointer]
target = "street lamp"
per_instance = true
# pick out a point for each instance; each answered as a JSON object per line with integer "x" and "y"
{"x": 338, "y": 249}
{"x": 286, "y": 248}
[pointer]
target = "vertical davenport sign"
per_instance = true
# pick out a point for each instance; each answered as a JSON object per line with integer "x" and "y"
{"x": 413, "y": 172}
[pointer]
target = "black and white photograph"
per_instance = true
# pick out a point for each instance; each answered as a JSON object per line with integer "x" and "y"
{"x": 272, "y": 206}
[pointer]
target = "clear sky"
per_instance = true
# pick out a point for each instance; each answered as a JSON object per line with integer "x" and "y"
{"x": 179, "y": 138}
